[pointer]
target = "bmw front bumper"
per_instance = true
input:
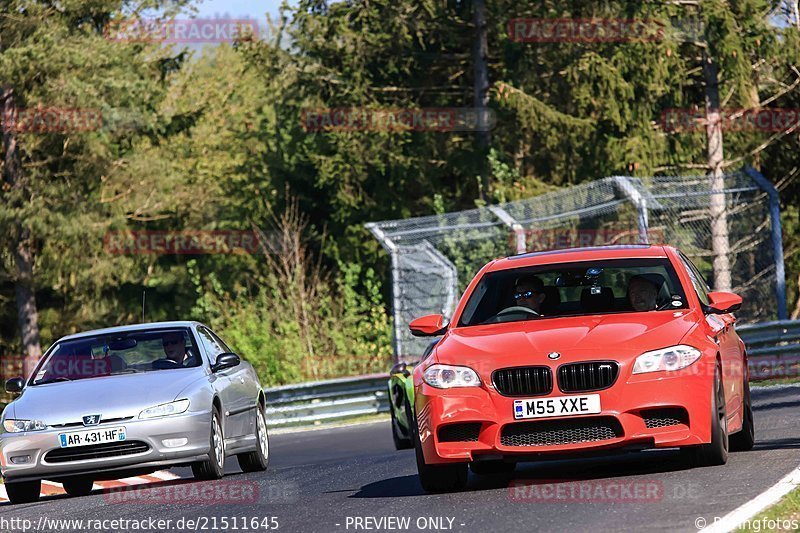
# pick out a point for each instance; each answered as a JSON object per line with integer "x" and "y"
{"x": 474, "y": 423}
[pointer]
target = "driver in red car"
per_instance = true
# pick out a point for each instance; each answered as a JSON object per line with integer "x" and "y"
{"x": 529, "y": 292}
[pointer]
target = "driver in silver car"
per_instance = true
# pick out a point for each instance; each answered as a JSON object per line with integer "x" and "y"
{"x": 529, "y": 292}
{"x": 175, "y": 349}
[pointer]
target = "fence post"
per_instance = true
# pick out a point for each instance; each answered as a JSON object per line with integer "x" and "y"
{"x": 516, "y": 227}
{"x": 630, "y": 192}
{"x": 777, "y": 238}
{"x": 394, "y": 252}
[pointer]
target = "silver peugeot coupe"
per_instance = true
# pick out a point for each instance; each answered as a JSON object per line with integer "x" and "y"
{"x": 130, "y": 400}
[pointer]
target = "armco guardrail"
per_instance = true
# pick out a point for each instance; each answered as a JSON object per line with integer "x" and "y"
{"x": 335, "y": 399}
{"x": 773, "y": 349}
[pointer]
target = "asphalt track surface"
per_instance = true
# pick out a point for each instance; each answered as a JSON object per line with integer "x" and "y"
{"x": 352, "y": 479}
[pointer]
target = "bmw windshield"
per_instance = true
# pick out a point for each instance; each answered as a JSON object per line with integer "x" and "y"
{"x": 574, "y": 289}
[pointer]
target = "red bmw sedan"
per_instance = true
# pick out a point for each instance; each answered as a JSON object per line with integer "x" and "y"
{"x": 580, "y": 351}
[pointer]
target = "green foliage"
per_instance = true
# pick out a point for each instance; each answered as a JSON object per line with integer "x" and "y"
{"x": 218, "y": 143}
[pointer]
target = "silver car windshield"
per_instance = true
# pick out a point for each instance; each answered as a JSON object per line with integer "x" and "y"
{"x": 122, "y": 353}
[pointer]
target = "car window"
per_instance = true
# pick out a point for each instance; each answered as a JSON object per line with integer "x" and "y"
{"x": 118, "y": 353}
{"x": 572, "y": 289}
{"x": 700, "y": 285}
{"x": 212, "y": 344}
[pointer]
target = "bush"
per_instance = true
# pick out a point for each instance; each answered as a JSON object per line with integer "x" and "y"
{"x": 298, "y": 322}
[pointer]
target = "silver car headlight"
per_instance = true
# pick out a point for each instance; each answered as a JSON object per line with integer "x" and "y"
{"x": 20, "y": 426}
{"x": 447, "y": 376}
{"x": 672, "y": 358}
{"x": 165, "y": 409}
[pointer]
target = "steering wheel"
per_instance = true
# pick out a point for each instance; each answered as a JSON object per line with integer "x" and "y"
{"x": 517, "y": 309}
{"x": 164, "y": 364}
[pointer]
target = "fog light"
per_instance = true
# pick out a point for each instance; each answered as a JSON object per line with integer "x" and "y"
{"x": 174, "y": 443}
{"x": 21, "y": 459}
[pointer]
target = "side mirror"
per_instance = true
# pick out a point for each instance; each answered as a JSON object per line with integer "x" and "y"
{"x": 400, "y": 368}
{"x": 15, "y": 385}
{"x": 723, "y": 302}
{"x": 428, "y": 326}
{"x": 224, "y": 361}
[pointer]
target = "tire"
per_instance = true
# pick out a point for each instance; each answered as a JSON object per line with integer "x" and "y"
{"x": 489, "y": 468}
{"x": 79, "y": 486}
{"x": 401, "y": 442}
{"x": 23, "y": 492}
{"x": 214, "y": 466}
{"x": 716, "y": 452}
{"x": 438, "y": 478}
{"x": 257, "y": 460}
{"x": 745, "y": 439}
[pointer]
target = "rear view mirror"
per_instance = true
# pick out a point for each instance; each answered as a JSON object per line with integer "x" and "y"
{"x": 428, "y": 326}
{"x": 723, "y": 302}
{"x": 15, "y": 385}
{"x": 118, "y": 345}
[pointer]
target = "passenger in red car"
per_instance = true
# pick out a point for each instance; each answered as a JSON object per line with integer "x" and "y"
{"x": 642, "y": 293}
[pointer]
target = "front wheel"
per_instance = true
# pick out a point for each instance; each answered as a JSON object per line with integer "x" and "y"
{"x": 214, "y": 466}
{"x": 257, "y": 460}
{"x": 716, "y": 452}
{"x": 23, "y": 492}
{"x": 437, "y": 478}
{"x": 401, "y": 442}
{"x": 745, "y": 439}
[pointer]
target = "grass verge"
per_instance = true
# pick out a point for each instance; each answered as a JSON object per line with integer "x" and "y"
{"x": 783, "y": 516}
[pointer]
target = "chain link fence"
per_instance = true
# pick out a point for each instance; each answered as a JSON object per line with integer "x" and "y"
{"x": 433, "y": 258}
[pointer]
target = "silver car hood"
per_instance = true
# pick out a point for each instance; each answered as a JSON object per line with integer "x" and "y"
{"x": 119, "y": 396}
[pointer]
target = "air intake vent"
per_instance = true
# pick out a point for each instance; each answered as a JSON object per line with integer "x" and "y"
{"x": 587, "y": 377}
{"x": 467, "y": 432}
{"x": 96, "y": 451}
{"x": 523, "y": 381}
{"x": 660, "y": 418}
{"x": 557, "y": 432}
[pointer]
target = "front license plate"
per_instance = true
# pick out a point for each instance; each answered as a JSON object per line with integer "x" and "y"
{"x": 91, "y": 436}
{"x": 560, "y": 406}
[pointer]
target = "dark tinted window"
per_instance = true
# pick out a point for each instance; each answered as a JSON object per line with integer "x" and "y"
{"x": 569, "y": 289}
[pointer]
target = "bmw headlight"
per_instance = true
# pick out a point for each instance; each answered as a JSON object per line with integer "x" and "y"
{"x": 19, "y": 426}
{"x": 672, "y": 358}
{"x": 165, "y": 409}
{"x": 446, "y": 376}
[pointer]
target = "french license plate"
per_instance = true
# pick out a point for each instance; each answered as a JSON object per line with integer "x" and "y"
{"x": 91, "y": 436}
{"x": 559, "y": 406}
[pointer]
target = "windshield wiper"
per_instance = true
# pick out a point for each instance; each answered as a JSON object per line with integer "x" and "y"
{"x": 54, "y": 380}
{"x": 126, "y": 371}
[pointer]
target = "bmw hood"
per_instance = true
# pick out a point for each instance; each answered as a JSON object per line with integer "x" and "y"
{"x": 618, "y": 336}
{"x": 118, "y": 396}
